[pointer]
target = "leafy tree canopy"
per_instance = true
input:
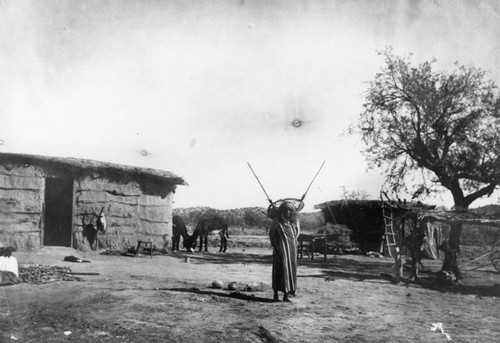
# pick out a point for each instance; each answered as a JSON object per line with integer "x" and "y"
{"x": 357, "y": 194}
{"x": 445, "y": 125}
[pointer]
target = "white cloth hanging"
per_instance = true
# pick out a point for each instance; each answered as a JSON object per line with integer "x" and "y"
{"x": 9, "y": 264}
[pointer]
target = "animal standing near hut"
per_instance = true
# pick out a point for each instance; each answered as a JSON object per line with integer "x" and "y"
{"x": 179, "y": 230}
{"x": 50, "y": 201}
{"x": 206, "y": 227}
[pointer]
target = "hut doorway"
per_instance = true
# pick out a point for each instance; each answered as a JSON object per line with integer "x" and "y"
{"x": 58, "y": 212}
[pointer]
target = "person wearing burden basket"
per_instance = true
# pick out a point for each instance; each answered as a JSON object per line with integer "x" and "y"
{"x": 283, "y": 234}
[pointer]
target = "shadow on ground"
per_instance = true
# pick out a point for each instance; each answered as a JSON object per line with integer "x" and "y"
{"x": 350, "y": 267}
{"x": 233, "y": 295}
{"x": 433, "y": 282}
{"x": 224, "y": 258}
{"x": 357, "y": 268}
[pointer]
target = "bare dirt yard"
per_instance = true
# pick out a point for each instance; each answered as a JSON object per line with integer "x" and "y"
{"x": 169, "y": 298}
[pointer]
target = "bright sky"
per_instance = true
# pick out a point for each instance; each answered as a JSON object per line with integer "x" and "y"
{"x": 206, "y": 86}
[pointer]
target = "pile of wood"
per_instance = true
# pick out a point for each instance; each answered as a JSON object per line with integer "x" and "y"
{"x": 37, "y": 273}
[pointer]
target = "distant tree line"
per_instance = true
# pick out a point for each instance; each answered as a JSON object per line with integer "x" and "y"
{"x": 247, "y": 217}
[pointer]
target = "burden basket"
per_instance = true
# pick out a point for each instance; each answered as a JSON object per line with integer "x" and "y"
{"x": 272, "y": 210}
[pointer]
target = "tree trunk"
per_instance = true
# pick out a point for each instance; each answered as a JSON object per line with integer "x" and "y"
{"x": 452, "y": 251}
{"x": 455, "y": 234}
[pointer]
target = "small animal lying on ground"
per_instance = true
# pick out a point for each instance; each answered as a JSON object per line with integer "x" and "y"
{"x": 75, "y": 259}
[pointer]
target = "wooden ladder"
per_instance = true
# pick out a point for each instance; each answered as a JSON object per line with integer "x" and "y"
{"x": 388, "y": 215}
{"x": 145, "y": 248}
{"x": 391, "y": 241}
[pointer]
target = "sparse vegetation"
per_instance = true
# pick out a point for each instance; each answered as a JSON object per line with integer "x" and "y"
{"x": 247, "y": 220}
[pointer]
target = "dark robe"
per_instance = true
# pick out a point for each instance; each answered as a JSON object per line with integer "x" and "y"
{"x": 283, "y": 236}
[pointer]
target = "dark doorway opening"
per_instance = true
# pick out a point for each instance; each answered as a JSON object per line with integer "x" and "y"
{"x": 58, "y": 212}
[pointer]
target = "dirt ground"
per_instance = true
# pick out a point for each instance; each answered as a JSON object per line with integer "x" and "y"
{"x": 167, "y": 298}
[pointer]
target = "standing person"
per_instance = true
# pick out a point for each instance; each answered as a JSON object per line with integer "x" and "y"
{"x": 450, "y": 263}
{"x": 283, "y": 234}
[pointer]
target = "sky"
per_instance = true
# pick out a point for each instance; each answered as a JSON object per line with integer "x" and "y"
{"x": 205, "y": 88}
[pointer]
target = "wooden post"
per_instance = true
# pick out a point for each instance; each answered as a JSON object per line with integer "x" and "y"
{"x": 397, "y": 253}
{"x": 326, "y": 247}
{"x": 399, "y": 265}
{"x": 97, "y": 241}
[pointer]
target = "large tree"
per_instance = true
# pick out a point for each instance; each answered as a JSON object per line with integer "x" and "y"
{"x": 440, "y": 128}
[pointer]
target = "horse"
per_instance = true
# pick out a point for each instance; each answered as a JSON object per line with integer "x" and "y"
{"x": 179, "y": 229}
{"x": 205, "y": 227}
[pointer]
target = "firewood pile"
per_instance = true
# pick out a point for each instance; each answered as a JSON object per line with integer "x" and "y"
{"x": 37, "y": 273}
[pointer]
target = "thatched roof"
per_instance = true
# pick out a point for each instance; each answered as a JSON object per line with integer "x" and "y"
{"x": 426, "y": 211}
{"x": 374, "y": 204}
{"x": 78, "y": 168}
{"x": 465, "y": 217}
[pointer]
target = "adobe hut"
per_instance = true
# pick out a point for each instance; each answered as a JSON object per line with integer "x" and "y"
{"x": 365, "y": 219}
{"x": 51, "y": 201}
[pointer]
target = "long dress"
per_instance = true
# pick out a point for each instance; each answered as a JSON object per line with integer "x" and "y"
{"x": 283, "y": 236}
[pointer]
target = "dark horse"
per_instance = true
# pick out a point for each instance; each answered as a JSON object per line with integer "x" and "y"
{"x": 178, "y": 229}
{"x": 209, "y": 226}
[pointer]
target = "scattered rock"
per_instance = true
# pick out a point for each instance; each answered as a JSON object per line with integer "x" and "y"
{"x": 217, "y": 284}
{"x": 374, "y": 254}
{"x": 254, "y": 287}
{"x": 232, "y": 286}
